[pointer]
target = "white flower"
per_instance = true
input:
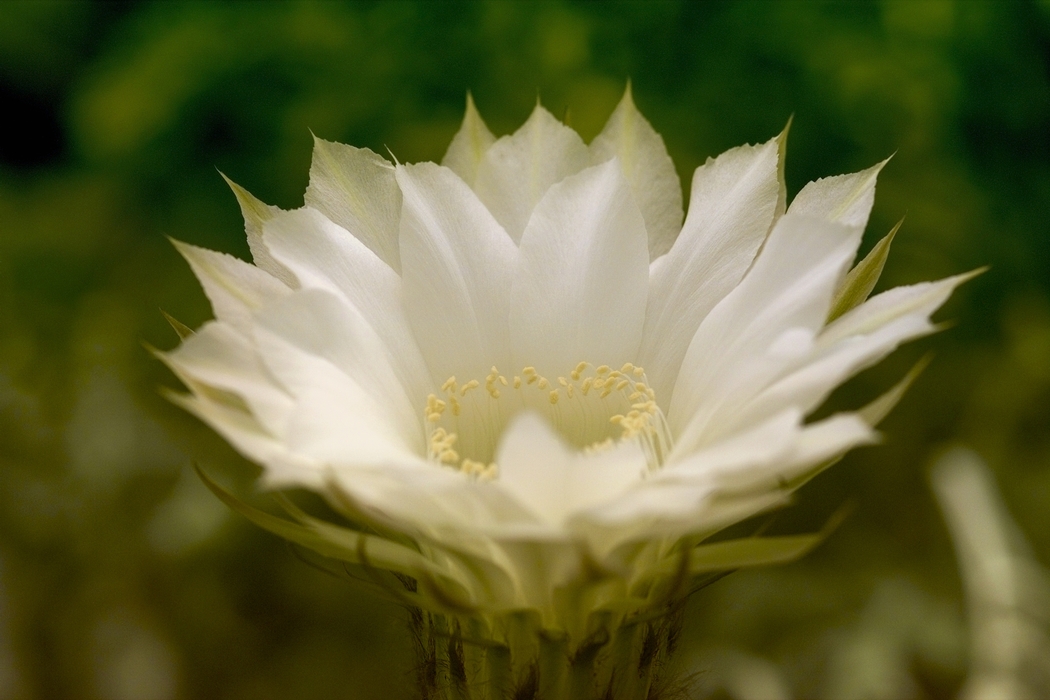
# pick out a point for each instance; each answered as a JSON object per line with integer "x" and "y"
{"x": 528, "y": 374}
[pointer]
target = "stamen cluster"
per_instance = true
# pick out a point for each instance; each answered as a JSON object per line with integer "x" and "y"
{"x": 586, "y": 390}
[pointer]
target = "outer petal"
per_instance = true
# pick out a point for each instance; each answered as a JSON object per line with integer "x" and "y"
{"x": 469, "y": 145}
{"x": 234, "y": 287}
{"x": 773, "y": 453}
{"x": 323, "y": 255}
{"x": 281, "y": 468}
{"x": 733, "y": 201}
{"x": 845, "y": 348}
{"x": 324, "y": 325}
{"x": 335, "y": 421}
{"x": 456, "y": 266}
{"x": 517, "y": 170}
{"x": 819, "y": 445}
{"x": 807, "y": 386}
{"x": 846, "y": 199}
{"x": 919, "y": 300}
{"x": 356, "y": 189}
{"x": 765, "y": 442}
{"x": 552, "y": 479}
{"x": 580, "y": 289}
{"x": 218, "y": 356}
{"x": 765, "y": 325}
{"x": 649, "y": 171}
{"x": 256, "y": 214}
{"x": 724, "y": 483}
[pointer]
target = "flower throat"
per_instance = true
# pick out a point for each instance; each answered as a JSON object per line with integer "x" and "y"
{"x": 593, "y": 407}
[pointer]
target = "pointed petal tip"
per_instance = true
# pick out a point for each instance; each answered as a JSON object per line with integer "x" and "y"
{"x": 178, "y": 326}
{"x": 152, "y": 349}
{"x": 893, "y": 231}
{"x": 882, "y": 163}
{"x": 185, "y": 249}
{"x": 628, "y": 94}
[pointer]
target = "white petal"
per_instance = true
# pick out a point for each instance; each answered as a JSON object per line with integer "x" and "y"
{"x": 553, "y": 480}
{"x": 731, "y": 208}
{"x": 324, "y": 325}
{"x": 662, "y": 509}
{"x": 220, "y": 357}
{"x": 457, "y": 263}
{"x": 845, "y": 348}
{"x": 649, "y": 170}
{"x": 773, "y": 453}
{"x": 356, "y": 189}
{"x": 469, "y": 145}
{"x": 334, "y": 421}
{"x": 725, "y": 483}
{"x": 690, "y": 496}
{"x": 256, "y": 213}
{"x": 731, "y": 460}
{"x": 824, "y": 441}
{"x": 764, "y": 325}
{"x": 580, "y": 289}
{"x": 281, "y": 468}
{"x": 517, "y": 170}
{"x": 918, "y": 299}
{"x": 440, "y": 501}
{"x": 234, "y": 288}
{"x": 846, "y": 199}
{"x": 807, "y": 386}
{"x": 322, "y": 255}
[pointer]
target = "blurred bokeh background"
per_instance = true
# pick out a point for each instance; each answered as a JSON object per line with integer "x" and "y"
{"x": 121, "y": 577}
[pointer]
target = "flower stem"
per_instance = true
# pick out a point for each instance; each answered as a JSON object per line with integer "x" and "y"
{"x": 515, "y": 658}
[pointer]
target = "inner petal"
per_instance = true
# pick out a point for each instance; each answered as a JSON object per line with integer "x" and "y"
{"x": 593, "y": 407}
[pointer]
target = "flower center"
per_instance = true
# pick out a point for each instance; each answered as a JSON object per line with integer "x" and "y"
{"x": 593, "y": 407}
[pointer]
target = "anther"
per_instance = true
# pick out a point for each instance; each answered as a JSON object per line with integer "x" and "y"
{"x": 554, "y": 396}
{"x": 450, "y": 383}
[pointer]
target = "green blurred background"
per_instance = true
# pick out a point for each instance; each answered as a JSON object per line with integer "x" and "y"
{"x": 122, "y": 577}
